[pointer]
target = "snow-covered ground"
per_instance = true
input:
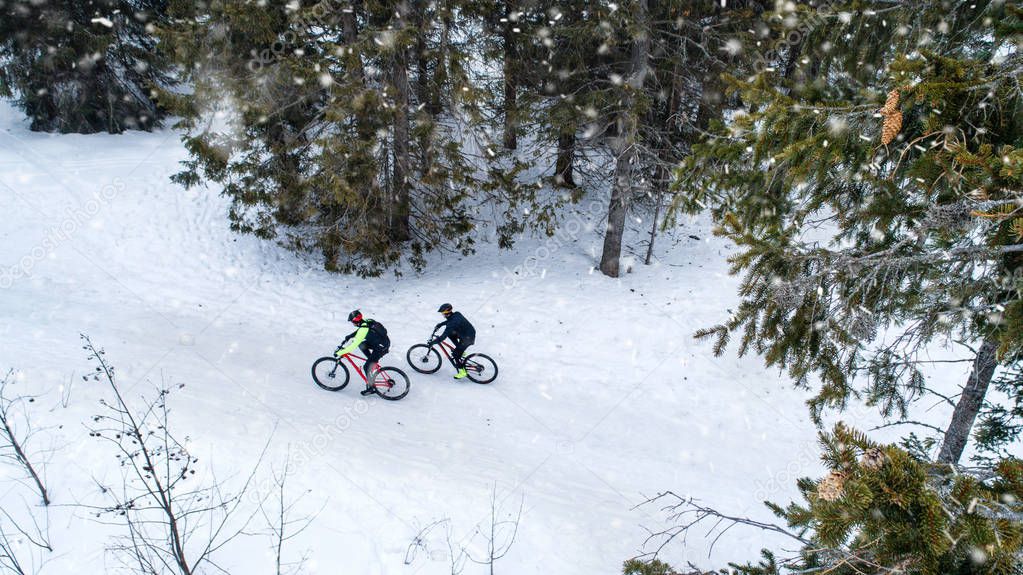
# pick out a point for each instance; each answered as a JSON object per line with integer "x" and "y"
{"x": 603, "y": 399}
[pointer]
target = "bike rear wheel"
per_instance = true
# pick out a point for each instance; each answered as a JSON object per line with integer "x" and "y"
{"x": 391, "y": 383}
{"x": 423, "y": 358}
{"x": 330, "y": 374}
{"x": 481, "y": 368}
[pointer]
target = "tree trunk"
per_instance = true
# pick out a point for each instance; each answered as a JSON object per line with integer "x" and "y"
{"x": 621, "y": 190}
{"x": 510, "y": 96}
{"x": 422, "y": 63}
{"x": 424, "y": 96}
{"x": 626, "y": 150}
{"x": 440, "y": 71}
{"x": 399, "y": 217}
{"x": 369, "y": 167}
{"x": 349, "y": 35}
{"x": 564, "y": 169}
{"x": 970, "y": 402}
{"x": 660, "y": 185}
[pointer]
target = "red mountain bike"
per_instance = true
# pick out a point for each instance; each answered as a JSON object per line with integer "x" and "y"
{"x": 331, "y": 374}
{"x": 425, "y": 358}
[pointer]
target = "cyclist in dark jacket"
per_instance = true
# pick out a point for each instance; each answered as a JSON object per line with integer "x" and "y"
{"x": 459, "y": 331}
{"x": 371, "y": 338}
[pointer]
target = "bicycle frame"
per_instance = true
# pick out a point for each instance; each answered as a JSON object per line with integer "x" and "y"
{"x": 447, "y": 348}
{"x": 351, "y": 357}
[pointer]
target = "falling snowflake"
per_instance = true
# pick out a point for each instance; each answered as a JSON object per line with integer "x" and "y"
{"x": 733, "y": 46}
{"x": 837, "y": 126}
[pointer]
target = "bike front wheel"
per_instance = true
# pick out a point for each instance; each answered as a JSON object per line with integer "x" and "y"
{"x": 423, "y": 358}
{"x": 330, "y": 374}
{"x": 480, "y": 368}
{"x": 391, "y": 383}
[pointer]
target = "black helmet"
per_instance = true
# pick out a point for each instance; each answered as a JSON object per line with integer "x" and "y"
{"x": 446, "y": 308}
{"x": 355, "y": 316}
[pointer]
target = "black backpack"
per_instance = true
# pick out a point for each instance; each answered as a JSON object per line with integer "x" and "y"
{"x": 377, "y": 334}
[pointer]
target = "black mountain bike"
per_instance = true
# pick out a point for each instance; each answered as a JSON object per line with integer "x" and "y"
{"x": 425, "y": 358}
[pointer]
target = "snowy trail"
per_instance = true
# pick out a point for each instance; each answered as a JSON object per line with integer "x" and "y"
{"x": 603, "y": 398}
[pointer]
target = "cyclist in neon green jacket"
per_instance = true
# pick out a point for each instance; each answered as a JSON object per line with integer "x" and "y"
{"x": 370, "y": 337}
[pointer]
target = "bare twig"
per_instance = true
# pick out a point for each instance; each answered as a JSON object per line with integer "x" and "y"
{"x": 499, "y": 536}
{"x": 419, "y": 542}
{"x": 17, "y": 543}
{"x": 909, "y": 422}
{"x": 281, "y": 526}
{"x": 687, "y": 514}
{"x": 161, "y": 504}
{"x": 12, "y": 444}
{"x": 499, "y": 541}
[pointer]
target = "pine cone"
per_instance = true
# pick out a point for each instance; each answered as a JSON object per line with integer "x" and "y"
{"x": 892, "y": 118}
{"x": 873, "y": 459}
{"x": 891, "y": 127}
{"x": 892, "y": 103}
{"x": 831, "y": 487}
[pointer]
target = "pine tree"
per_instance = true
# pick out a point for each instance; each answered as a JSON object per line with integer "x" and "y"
{"x": 562, "y": 91}
{"x": 896, "y": 138}
{"x": 879, "y": 509}
{"x": 83, "y": 65}
{"x": 633, "y": 82}
{"x": 337, "y": 141}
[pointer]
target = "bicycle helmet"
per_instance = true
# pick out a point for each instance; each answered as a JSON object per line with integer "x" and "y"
{"x": 444, "y": 309}
{"x": 355, "y": 316}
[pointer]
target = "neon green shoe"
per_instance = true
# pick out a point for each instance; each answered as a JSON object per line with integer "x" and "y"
{"x": 461, "y": 374}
